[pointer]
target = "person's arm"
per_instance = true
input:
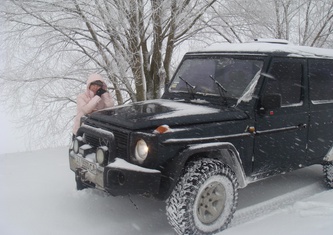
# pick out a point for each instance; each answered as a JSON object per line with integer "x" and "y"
{"x": 107, "y": 100}
{"x": 87, "y": 107}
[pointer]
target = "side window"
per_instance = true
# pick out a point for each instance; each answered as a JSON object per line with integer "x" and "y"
{"x": 321, "y": 81}
{"x": 286, "y": 79}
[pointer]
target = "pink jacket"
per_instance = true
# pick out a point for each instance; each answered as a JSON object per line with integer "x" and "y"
{"x": 87, "y": 102}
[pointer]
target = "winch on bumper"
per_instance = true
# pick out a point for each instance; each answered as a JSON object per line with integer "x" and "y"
{"x": 94, "y": 167}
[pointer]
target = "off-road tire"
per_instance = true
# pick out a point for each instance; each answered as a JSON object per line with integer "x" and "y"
{"x": 328, "y": 173}
{"x": 204, "y": 199}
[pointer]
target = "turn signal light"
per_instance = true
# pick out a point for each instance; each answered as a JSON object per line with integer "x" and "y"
{"x": 162, "y": 129}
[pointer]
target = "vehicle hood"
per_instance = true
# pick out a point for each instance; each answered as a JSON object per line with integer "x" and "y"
{"x": 153, "y": 113}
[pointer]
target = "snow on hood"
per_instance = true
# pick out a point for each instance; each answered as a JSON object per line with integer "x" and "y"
{"x": 150, "y": 114}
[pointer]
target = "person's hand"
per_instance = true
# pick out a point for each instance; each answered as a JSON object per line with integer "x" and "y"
{"x": 100, "y": 92}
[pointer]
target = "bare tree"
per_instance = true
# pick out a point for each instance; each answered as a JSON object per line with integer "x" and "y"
{"x": 304, "y": 22}
{"x": 140, "y": 34}
{"x": 52, "y": 46}
{"x": 317, "y": 28}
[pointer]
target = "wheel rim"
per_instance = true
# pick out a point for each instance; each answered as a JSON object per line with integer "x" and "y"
{"x": 211, "y": 203}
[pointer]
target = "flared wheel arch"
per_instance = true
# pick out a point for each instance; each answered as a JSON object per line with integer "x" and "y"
{"x": 223, "y": 151}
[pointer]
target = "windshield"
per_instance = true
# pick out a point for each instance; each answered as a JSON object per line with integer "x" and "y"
{"x": 220, "y": 76}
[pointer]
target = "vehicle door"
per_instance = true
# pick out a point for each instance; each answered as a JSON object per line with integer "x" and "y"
{"x": 281, "y": 131}
{"x": 321, "y": 109}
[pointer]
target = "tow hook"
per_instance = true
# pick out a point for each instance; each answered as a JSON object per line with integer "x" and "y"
{"x": 80, "y": 174}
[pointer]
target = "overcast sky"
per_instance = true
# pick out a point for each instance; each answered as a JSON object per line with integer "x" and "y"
{"x": 10, "y": 140}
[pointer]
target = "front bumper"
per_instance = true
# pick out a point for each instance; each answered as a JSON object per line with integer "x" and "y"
{"x": 117, "y": 178}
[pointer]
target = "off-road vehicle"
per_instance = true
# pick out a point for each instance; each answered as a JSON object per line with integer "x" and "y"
{"x": 231, "y": 115}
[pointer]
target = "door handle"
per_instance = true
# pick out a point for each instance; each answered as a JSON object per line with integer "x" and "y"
{"x": 302, "y": 126}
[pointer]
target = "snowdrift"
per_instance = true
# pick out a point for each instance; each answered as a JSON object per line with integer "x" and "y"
{"x": 38, "y": 197}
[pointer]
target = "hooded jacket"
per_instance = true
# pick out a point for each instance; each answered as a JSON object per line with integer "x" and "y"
{"x": 88, "y": 102}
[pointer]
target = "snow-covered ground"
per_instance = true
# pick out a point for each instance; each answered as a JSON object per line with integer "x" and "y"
{"x": 38, "y": 196}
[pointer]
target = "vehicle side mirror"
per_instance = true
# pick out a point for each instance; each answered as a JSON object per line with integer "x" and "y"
{"x": 271, "y": 101}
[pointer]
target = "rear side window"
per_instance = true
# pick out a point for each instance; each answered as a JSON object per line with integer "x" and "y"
{"x": 285, "y": 78}
{"x": 321, "y": 81}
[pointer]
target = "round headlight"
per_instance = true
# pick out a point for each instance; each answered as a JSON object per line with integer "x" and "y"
{"x": 76, "y": 146}
{"x": 141, "y": 151}
{"x": 101, "y": 156}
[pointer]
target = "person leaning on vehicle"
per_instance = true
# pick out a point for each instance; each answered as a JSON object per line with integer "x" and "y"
{"x": 95, "y": 97}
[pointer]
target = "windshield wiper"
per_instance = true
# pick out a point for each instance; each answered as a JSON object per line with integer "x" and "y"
{"x": 221, "y": 89}
{"x": 190, "y": 87}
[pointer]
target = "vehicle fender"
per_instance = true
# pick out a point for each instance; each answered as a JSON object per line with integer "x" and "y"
{"x": 223, "y": 151}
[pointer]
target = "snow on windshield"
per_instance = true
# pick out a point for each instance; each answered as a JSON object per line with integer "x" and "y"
{"x": 247, "y": 95}
{"x": 235, "y": 76}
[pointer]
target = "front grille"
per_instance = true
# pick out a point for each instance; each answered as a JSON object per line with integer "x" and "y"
{"x": 121, "y": 142}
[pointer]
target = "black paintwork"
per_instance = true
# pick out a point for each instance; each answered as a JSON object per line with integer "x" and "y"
{"x": 260, "y": 142}
{"x": 151, "y": 114}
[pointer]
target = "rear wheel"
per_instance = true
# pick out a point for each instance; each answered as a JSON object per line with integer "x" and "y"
{"x": 328, "y": 172}
{"x": 204, "y": 199}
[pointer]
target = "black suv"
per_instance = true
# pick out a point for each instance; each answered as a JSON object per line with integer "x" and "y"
{"x": 232, "y": 114}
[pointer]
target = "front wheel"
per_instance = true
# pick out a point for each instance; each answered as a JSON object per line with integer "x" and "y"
{"x": 204, "y": 199}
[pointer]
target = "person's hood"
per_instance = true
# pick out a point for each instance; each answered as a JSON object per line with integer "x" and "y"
{"x": 92, "y": 78}
{"x": 96, "y": 77}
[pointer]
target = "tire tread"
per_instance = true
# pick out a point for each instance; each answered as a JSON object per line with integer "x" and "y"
{"x": 179, "y": 216}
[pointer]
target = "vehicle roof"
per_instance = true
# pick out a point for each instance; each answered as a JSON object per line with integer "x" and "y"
{"x": 281, "y": 47}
